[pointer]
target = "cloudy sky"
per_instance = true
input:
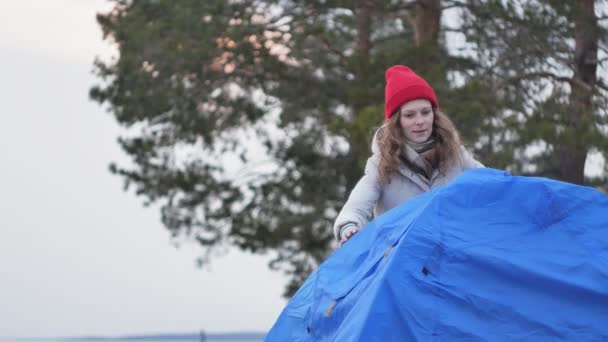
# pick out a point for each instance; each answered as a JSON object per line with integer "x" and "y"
{"x": 78, "y": 256}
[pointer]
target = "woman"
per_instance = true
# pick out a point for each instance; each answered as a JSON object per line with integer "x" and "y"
{"x": 416, "y": 149}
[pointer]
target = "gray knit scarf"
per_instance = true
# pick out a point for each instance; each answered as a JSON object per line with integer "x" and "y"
{"x": 421, "y": 157}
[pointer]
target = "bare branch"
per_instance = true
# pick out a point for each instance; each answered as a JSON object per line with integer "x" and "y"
{"x": 601, "y": 85}
{"x": 451, "y": 29}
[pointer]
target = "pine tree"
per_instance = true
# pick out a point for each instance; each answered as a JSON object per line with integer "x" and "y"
{"x": 249, "y": 121}
{"x": 542, "y": 60}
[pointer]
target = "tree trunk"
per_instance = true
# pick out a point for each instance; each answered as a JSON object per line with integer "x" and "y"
{"x": 429, "y": 62}
{"x": 572, "y": 151}
{"x": 363, "y": 14}
{"x": 427, "y": 22}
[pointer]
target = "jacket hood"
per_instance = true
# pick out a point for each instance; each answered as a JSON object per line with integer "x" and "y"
{"x": 375, "y": 146}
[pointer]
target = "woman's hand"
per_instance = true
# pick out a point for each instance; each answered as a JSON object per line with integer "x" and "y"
{"x": 347, "y": 235}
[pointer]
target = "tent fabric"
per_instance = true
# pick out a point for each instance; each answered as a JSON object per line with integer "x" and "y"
{"x": 489, "y": 257}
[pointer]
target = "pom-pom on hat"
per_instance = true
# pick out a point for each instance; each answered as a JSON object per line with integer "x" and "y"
{"x": 403, "y": 85}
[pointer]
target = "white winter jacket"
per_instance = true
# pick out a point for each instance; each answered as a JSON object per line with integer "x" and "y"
{"x": 370, "y": 198}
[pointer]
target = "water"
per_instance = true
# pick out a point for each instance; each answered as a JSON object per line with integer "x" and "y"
{"x": 124, "y": 340}
{"x": 214, "y": 338}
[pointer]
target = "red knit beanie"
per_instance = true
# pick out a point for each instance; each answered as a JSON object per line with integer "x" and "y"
{"x": 403, "y": 85}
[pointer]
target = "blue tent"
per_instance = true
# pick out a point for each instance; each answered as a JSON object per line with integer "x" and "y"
{"x": 490, "y": 257}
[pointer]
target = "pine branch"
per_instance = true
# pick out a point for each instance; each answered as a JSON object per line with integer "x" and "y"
{"x": 339, "y": 53}
{"x": 386, "y": 38}
{"x": 404, "y": 6}
{"x": 572, "y": 81}
{"x": 455, "y": 4}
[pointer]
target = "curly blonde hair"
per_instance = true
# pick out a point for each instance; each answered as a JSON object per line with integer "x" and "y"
{"x": 391, "y": 138}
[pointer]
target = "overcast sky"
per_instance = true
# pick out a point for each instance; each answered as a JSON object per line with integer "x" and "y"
{"x": 78, "y": 256}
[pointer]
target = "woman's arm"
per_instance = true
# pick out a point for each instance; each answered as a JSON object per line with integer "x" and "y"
{"x": 360, "y": 205}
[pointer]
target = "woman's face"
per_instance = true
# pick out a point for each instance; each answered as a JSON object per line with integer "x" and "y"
{"x": 416, "y": 119}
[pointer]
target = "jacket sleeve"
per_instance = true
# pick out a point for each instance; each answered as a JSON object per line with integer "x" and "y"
{"x": 359, "y": 207}
{"x": 468, "y": 162}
